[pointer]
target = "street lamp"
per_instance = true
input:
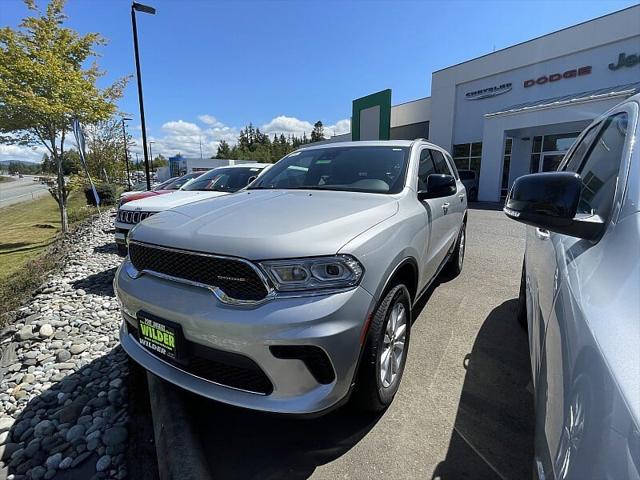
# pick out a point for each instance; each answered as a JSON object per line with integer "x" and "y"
{"x": 138, "y": 7}
{"x": 126, "y": 153}
{"x": 151, "y": 155}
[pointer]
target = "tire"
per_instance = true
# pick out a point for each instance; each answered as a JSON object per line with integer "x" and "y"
{"x": 455, "y": 263}
{"x": 375, "y": 389}
{"x": 522, "y": 300}
{"x": 122, "y": 249}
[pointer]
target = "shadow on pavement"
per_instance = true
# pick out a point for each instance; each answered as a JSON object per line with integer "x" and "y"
{"x": 494, "y": 206}
{"x": 494, "y": 426}
{"x": 252, "y": 445}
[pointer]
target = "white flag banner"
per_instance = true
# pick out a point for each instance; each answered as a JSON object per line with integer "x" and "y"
{"x": 79, "y": 134}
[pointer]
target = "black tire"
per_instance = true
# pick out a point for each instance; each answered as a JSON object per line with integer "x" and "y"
{"x": 456, "y": 261}
{"x": 122, "y": 249}
{"x": 371, "y": 394}
{"x": 522, "y": 300}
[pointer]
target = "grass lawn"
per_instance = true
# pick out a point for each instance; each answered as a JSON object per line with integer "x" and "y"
{"x": 27, "y": 228}
{"x": 6, "y": 179}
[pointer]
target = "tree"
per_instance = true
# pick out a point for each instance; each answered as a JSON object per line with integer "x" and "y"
{"x": 44, "y": 84}
{"x": 224, "y": 151}
{"x": 105, "y": 149}
{"x": 318, "y": 132}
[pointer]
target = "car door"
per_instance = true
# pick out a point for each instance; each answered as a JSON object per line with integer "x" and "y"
{"x": 434, "y": 214}
{"x": 452, "y": 206}
{"x": 576, "y": 387}
{"x": 542, "y": 276}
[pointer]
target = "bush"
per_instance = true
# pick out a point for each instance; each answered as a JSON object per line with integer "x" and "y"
{"x": 107, "y": 194}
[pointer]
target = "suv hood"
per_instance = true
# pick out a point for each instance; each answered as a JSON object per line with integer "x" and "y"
{"x": 157, "y": 203}
{"x": 269, "y": 224}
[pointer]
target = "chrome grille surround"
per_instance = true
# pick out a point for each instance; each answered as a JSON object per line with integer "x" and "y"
{"x": 217, "y": 290}
{"x": 133, "y": 216}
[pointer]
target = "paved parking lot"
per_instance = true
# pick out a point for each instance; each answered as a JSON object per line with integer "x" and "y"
{"x": 464, "y": 409}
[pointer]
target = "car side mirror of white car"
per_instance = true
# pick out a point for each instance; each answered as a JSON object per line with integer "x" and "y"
{"x": 550, "y": 201}
{"x": 438, "y": 185}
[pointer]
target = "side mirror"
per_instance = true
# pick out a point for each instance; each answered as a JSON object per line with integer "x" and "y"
{"x": 550, "y": 201}
{"x": 438, "y": 185}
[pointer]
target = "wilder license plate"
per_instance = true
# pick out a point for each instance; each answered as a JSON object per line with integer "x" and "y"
{"x": 158, "y": 337}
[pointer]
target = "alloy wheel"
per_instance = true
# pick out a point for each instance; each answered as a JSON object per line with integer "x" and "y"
{"x": 393, "y": 346}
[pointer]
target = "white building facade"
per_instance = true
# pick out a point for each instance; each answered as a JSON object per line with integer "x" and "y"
{"x": 517, "y": 110}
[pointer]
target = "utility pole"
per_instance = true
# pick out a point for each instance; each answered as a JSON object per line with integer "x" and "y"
{"x": 145, "y": 9}
{"x": 126, "y": 153}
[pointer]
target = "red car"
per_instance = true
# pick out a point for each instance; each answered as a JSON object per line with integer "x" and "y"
{"x": 165, "y": 187}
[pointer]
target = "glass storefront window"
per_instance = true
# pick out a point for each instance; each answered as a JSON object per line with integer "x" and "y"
{"x": 461, "y": 150}
{"x": 535, "y": 163}
{"x": 476, "y": 149}
{"x": 537, "y": 145}
{"x": 558, "y": 143}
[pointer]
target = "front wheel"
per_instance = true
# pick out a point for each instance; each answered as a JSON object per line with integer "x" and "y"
{"x": 385, "y": 351}
{"x": 454, "y": 268}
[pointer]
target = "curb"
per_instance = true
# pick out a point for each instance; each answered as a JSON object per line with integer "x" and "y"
{"x": 177, "y": 447}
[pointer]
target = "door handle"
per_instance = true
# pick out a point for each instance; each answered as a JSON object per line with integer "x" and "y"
{"x": 445, "y": 207}
{"x": 461, "y": 197}
{"x": 542, "y": 233}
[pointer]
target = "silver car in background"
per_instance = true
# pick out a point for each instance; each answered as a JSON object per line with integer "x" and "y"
{"x": 287, "y": 295}
{"x": 580, "y": 301}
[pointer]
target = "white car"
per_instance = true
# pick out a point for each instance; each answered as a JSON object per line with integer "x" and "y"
{"x": 217, "y": 182}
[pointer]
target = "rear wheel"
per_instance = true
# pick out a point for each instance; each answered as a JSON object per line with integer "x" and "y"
{"x": 385, "y": 351}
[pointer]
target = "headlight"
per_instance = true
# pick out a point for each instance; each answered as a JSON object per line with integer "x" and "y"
{"x": 319, "y": 273}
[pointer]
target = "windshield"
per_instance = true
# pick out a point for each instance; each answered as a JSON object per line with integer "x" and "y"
{"x": 351, "y": 169}
{"x": 177, "y": 183}
{"x": 225, "y": 179}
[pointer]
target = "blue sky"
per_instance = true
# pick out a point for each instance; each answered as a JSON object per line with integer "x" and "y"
{"x": 209, "y": 68}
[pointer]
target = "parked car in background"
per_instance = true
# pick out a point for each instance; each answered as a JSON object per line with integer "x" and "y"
{"x": 285, "y": 295}
{"x": 470, "y": 181}
{"x": 580, "y": 301}
{"x": 214, "y": 183}
{"x": 167, "y": 186}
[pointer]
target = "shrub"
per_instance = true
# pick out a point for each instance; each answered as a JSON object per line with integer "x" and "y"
{"x": 107, "y": 194}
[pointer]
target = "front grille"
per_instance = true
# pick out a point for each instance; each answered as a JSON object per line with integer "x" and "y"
{"x": 225, "y": 368}
{"x": 236, "y": 278}
{"x": 133, "y": 216}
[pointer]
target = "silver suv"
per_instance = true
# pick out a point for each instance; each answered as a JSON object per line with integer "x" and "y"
{"x": 296, "y": 291}
{"x": 580, "y": 301}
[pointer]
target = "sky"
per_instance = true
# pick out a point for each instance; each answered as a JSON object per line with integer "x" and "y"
{"x": 211, "y": 67}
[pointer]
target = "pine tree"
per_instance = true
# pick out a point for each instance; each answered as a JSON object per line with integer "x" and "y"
{"x": 318, "y": 132}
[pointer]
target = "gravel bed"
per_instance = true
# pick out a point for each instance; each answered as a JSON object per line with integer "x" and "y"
{"x": 63, "y": 393}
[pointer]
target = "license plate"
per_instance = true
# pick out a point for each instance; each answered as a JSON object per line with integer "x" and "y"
{"x": 158, "y": 336}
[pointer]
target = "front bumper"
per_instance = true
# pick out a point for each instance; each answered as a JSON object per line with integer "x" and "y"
{"x": 334, "y": 323}
{"x": 122, "y": 230}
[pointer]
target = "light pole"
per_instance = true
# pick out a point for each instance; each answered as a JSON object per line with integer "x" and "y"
{"x": 151, "y": 156}
{"x": 126, "y": 153}
{"x": 138, "y": 7}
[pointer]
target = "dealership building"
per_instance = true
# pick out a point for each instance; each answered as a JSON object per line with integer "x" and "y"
{"x": 516, "y": 110}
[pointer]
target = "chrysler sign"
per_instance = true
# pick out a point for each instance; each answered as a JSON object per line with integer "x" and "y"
{"x": 488, "y": 92}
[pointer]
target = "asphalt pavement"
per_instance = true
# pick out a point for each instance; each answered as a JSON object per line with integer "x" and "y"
{"x": 464, "y": 409}
{"x": 20, "y": 190}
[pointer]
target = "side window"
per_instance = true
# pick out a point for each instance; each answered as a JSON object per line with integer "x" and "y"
{"x": 452, "y": 166}
{"x": 440, "y": 163}
{"x": 599, "y": 170}
{"x": 425, "y": 168}
{"x": 574, "y": 162}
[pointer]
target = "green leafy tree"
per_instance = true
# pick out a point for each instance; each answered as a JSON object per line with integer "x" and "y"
{"x": 318, "y": 132}
{"x": 105, "y": 149}
{"x": 224, "y": 151}
{"x": 45, "y": 83}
